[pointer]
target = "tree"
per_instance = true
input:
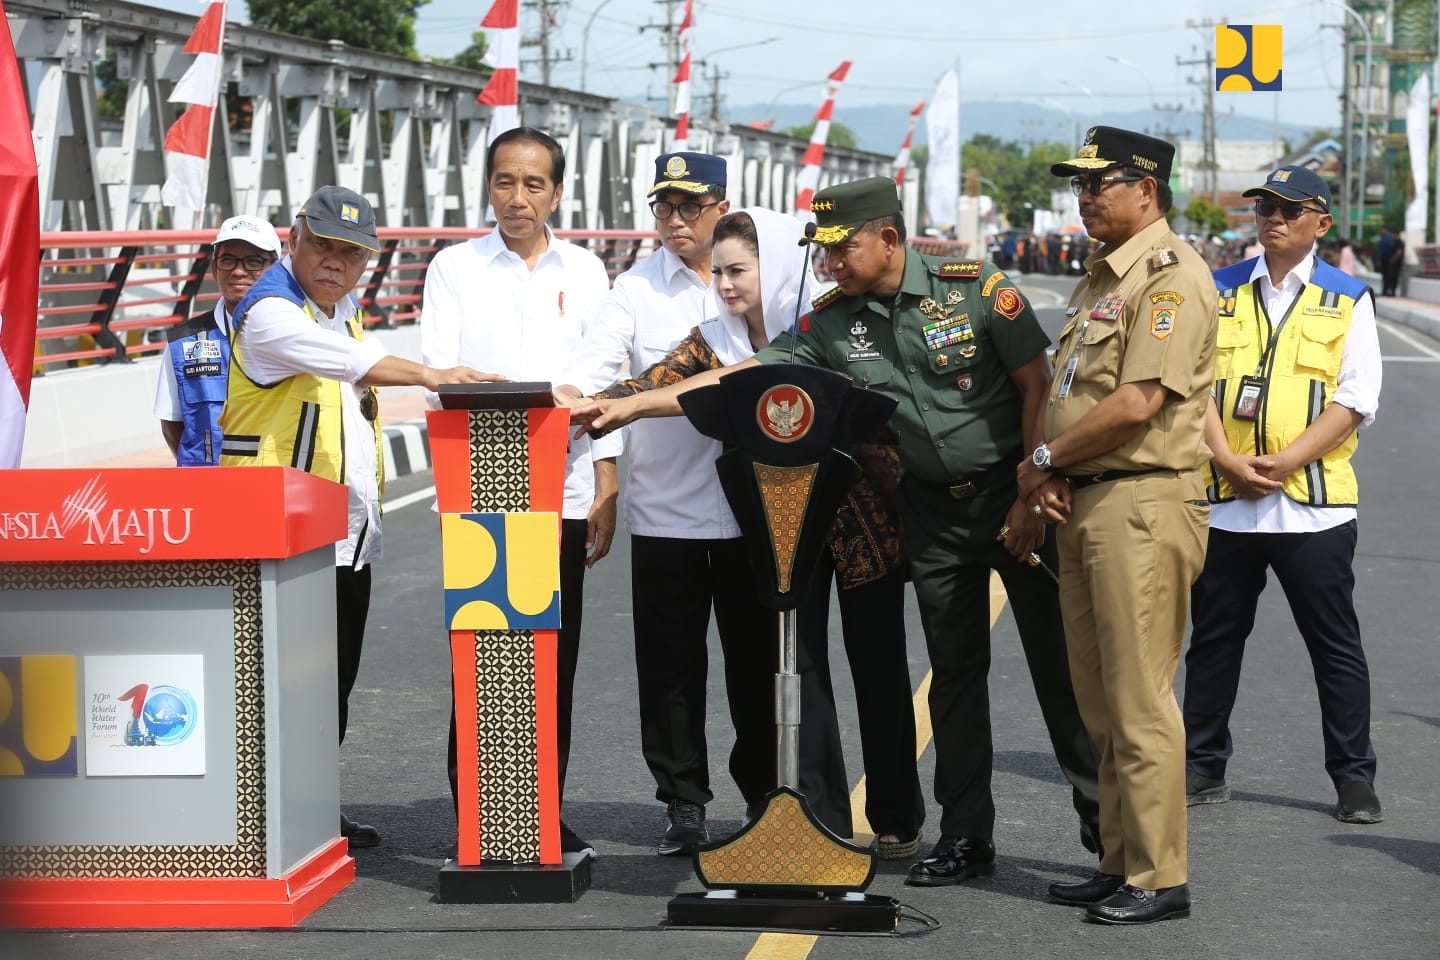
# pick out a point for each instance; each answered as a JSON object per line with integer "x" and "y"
{"x": 473, "y": 56}
{"x": 840, "y": 135}
{"x": 1205, "y": 215}
{"x": 385, "y": 26}
{"x": 1022, "y": 180}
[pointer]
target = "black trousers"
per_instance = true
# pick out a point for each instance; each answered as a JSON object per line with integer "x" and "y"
{"x": 872, "y": 618}
{"x": 572, "y": 607}
{"x": 1317, "y": 574}
{"x": 674, "y": 585}
{"x": 352, "y": 608}
{"x": 1390, "y": 278}
{"x": 952, "y": 549}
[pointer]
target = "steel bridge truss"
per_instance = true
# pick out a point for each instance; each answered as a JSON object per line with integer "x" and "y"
{"x": 296, "y": 114}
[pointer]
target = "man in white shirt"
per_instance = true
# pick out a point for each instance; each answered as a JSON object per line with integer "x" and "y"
{"x": 1297, "y": 374}
{"x": 190, "y": 393}
{"x": 517, "y": 302}
{"x": 686, "y": 552}
{"x": 301, "y": 394}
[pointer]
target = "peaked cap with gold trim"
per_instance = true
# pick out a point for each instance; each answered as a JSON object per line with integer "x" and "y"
{"x": 697, "y": 173}
{"x": 1110, "y": 146}
{"x": 842, "y": 209}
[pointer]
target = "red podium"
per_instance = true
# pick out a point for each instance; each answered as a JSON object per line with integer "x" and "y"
{"x": 499, "y": 459}
{"x": 168, "y": 747}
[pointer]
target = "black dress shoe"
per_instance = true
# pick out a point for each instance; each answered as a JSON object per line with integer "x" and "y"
{"x": 359, "y": 834}
{"x": 1100, "y": 886}
{"x": 954, "y": 859}
{"x": 1131, "y": 905}
{"x": 1358, "y": 803}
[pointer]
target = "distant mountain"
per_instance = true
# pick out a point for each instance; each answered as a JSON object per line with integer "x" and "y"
{"x": 881, "y": 127}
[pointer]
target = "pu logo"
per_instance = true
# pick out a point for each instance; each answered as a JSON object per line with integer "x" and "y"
{"x": 38, "y": 711}
{"x": 1247, "y": 57}
{"x": 349, "y": 213}
{"x": 502, "y": 570}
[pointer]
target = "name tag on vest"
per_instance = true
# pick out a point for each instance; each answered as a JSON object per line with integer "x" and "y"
{"x": 1323, "y": 311}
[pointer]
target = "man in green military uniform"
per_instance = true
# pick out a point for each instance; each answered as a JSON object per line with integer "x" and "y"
{"x": 958, "y": 346}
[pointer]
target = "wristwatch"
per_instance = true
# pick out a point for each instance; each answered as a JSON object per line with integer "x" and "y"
{"x": 1041, "y": 458}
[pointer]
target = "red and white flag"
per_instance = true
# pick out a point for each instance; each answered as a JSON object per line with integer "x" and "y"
{"x": 809, "y": 178}
{"x": 502, "y": 90}
{"x": 187, "y": 144}
{"x": 19, "y": 254}
{"x": 902, "y": 159}
{"x": 682, "y": 83}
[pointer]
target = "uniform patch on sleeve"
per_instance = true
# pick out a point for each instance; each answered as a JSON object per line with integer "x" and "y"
{"x": 1008, "y": 303}
{"x": 990, "y": 282}
{"x": 825, "y": 299}
{"x": 1162, "y": 322}
{"x": 957, "y": 269}
{"x": 804, "y": 323}
{"x": 1167, "y": 296}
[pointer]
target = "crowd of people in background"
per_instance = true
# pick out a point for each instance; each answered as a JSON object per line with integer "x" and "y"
{"x": 1061, "y": 254}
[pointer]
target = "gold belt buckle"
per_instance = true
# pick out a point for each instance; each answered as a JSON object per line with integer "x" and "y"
{"x": 959, "y": 491}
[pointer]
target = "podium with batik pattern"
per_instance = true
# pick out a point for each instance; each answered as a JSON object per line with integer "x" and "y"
{"x": 498, "y": 451}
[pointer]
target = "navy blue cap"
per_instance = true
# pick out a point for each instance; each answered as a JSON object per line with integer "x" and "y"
{"x": 1294, "y": 183}
{"x": 697, "y": 173}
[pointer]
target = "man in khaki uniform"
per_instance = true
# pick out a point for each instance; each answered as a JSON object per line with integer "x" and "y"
{"x": 1120, "y": 470}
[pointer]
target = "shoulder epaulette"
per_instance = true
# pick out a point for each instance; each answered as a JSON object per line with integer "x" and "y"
{"x": 957, "y": 269}
{"x": 825, "y": 299}
{"x": 1163, "y": 257}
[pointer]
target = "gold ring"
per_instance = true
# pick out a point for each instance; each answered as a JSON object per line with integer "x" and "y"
{"x": 1004, "y": 531}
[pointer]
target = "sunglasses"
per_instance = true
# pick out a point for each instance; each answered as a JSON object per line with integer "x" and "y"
{"x": 1265, "y": 209}
{"x": 1094, "y": 184}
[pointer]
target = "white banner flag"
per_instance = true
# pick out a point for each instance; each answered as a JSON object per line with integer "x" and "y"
{"x": 942, "y": 172}
{"x": 1417, "y": 132}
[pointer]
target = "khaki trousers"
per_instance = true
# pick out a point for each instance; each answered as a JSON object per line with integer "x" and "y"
{"x": 1128, "y": 556}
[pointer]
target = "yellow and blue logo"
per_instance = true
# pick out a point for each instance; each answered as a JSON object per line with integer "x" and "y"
{"x": 39, "y": 712}
{"x": 502, "y": 570}
{"x": 1247, "y": 56}
{"x": 349, "y": 213}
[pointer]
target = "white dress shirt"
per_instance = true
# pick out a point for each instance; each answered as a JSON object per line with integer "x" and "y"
{"x": 167, "y": 391}
{"x": 671, "y": 488}
{"x": 1358, "y": 388}
{"x": 278, "y": 341}
{"x": 486, "y": 309}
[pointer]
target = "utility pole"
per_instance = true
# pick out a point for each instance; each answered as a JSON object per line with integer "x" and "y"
{"x": 715, "y": 77}
{"x": 549, "y": 56}
{"x": 672, "y": 47}
{"x": 1206, "y": 82}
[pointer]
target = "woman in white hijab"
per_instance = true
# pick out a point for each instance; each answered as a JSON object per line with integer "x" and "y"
{"x": 763, "y": 282}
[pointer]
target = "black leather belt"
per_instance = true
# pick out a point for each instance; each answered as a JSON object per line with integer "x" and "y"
{"x": 979, "y": 483}
{"x": 1108, "y": 475}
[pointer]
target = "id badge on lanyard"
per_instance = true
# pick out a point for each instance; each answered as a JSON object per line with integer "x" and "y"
{"x": 1247, "y": 400}
{"x": 1068, "y": 377}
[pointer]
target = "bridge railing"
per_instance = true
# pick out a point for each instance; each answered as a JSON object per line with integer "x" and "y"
{"x": 111, "y": 296}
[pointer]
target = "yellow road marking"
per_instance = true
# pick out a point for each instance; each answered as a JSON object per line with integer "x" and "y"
{"x": 797, "y": 946}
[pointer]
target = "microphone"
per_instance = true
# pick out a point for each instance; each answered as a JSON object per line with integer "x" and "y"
{"x": 800, "y": 299}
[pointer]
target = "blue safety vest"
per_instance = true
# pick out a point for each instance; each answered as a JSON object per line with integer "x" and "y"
{"x": 200, "y": 354}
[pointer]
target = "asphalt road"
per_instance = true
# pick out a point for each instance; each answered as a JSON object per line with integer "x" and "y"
{"x": 1273, "y": 874}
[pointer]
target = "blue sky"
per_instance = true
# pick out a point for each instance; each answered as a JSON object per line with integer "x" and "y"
{"x": 1047, "y": 50}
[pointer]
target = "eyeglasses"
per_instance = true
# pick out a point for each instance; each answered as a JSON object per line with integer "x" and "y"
{"x": 1093, "y": 185}
{"x": 1265, "y": 209}
{"x": 689, "y": 211}
{"x": 253, "y": 264}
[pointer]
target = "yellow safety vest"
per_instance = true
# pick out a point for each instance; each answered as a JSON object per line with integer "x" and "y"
{"x": 1301, "y": 369}
{"x": 296, "y": 422}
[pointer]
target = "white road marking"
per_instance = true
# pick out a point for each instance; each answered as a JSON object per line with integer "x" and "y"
{"x": 427, "y": 494}
{"x": 1414, "y": 341}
